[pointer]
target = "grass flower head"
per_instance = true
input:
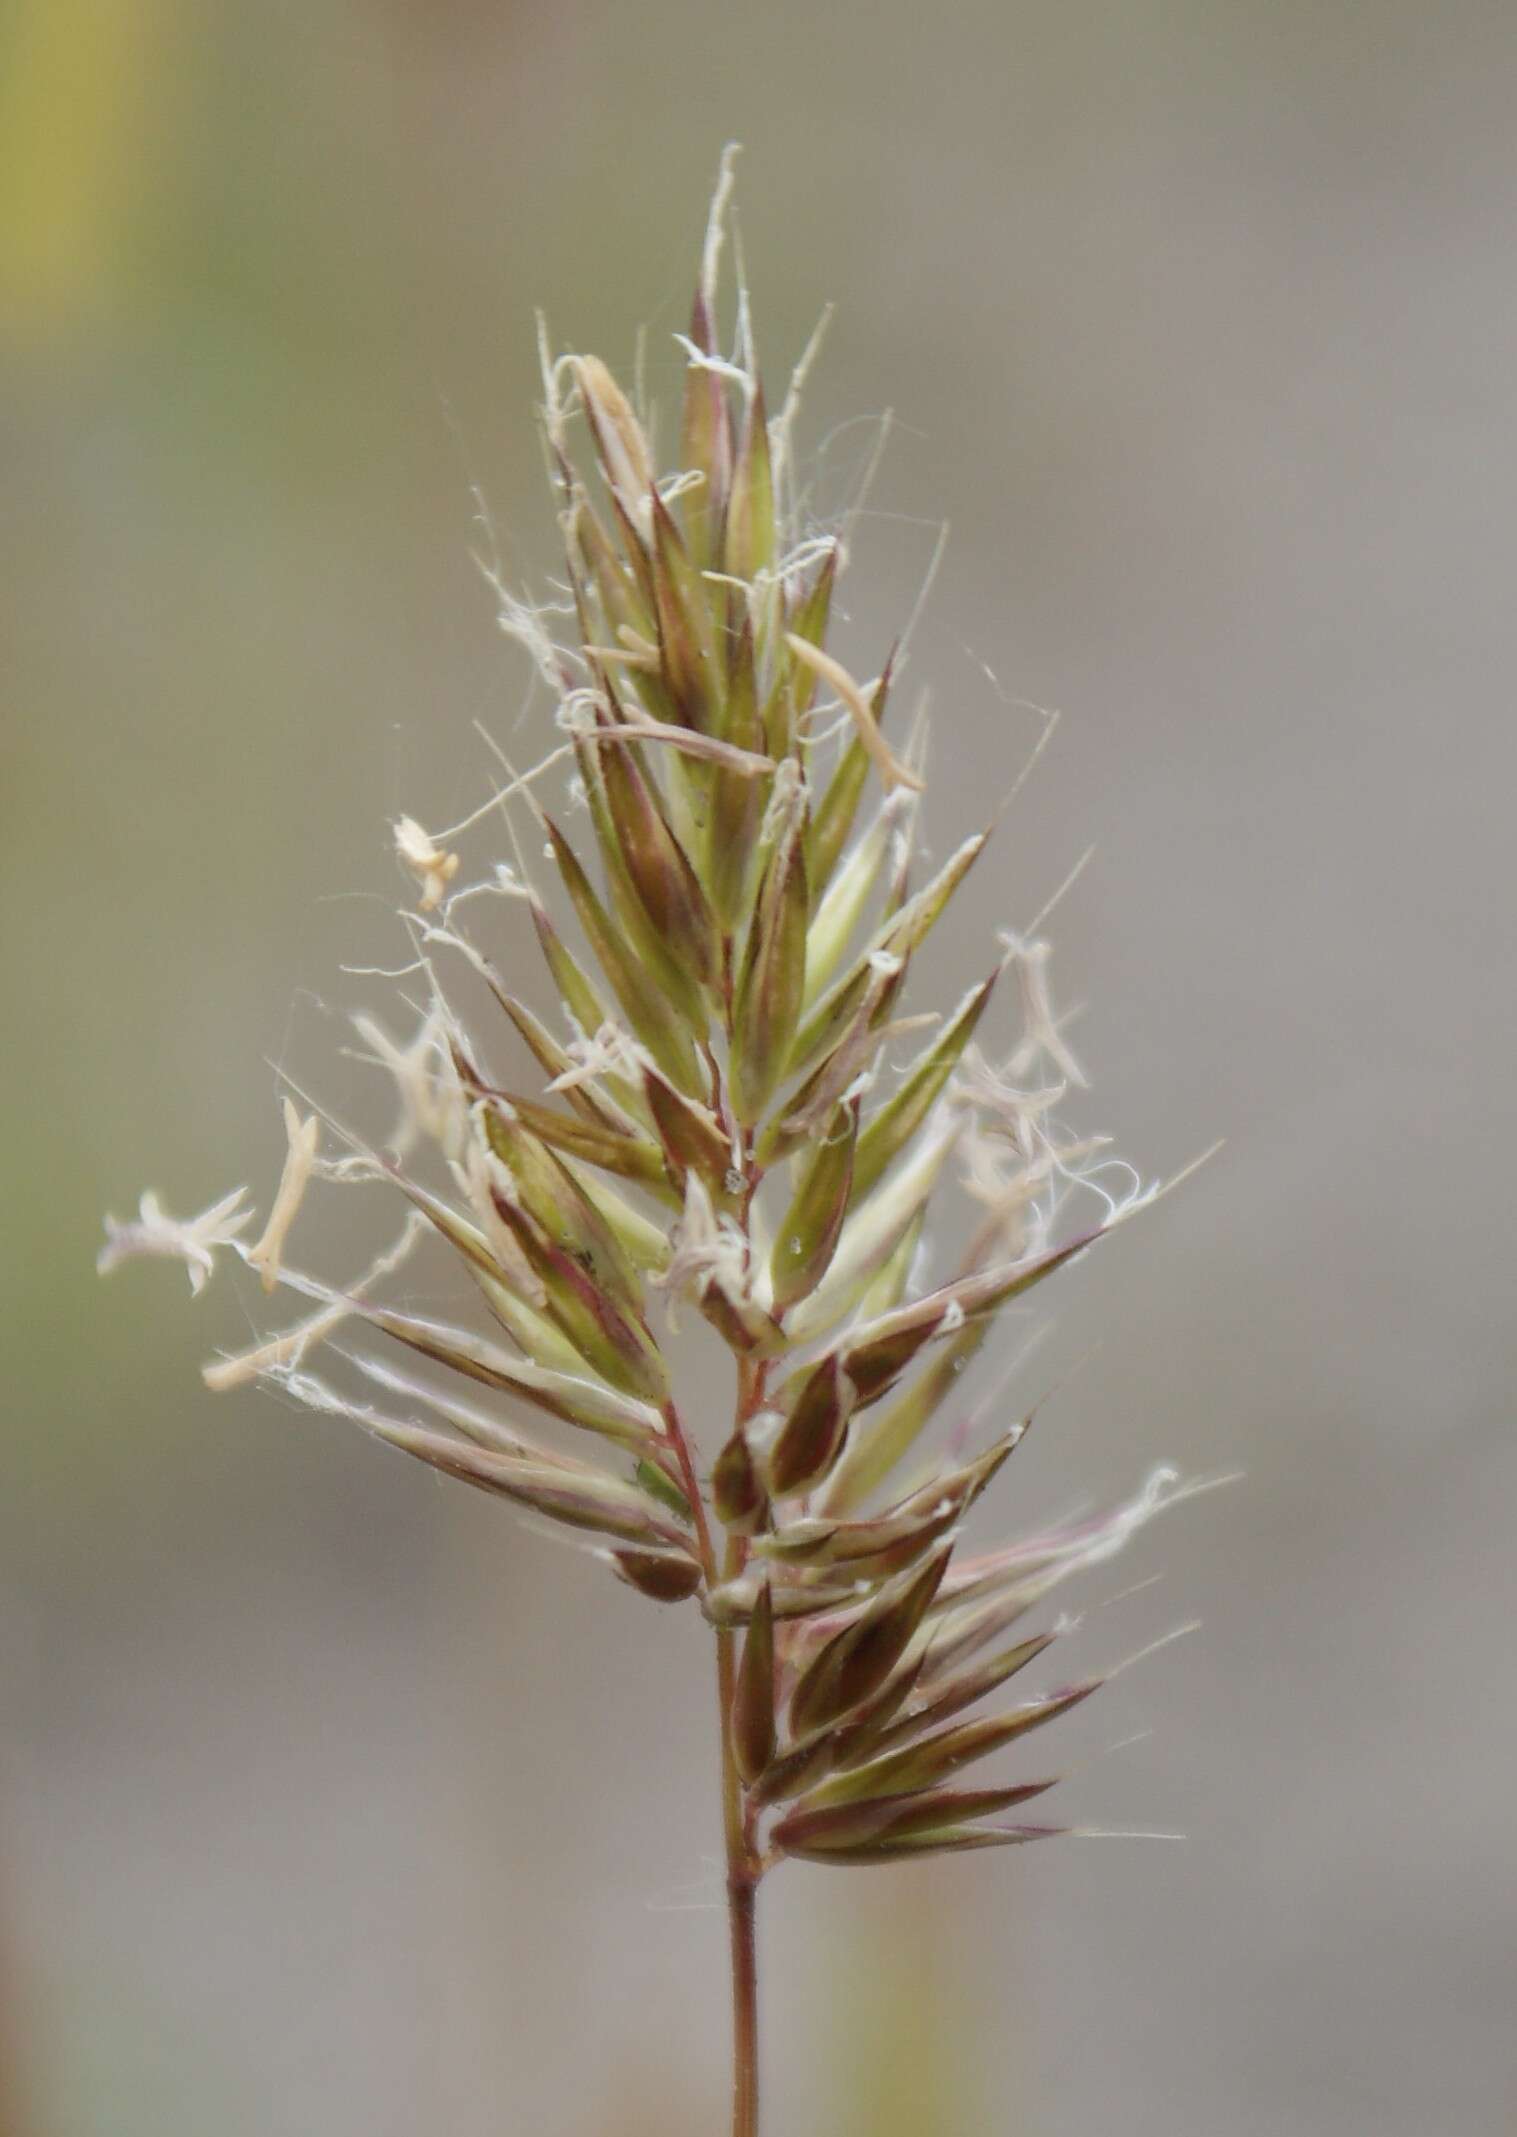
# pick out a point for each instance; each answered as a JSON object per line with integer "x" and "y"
{"x": 748, "y": 1106}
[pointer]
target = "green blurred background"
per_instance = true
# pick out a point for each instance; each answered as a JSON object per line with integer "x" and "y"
{"x": 331, "y": 1801}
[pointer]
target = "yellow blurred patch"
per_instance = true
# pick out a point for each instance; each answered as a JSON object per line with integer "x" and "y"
{"x": 74, "y": 94}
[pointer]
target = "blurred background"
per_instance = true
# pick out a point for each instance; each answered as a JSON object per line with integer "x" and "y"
{"x": 333, "y": 1801}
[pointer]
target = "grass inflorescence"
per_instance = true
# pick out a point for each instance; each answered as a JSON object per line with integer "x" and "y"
{"x": 730, "y": 1113}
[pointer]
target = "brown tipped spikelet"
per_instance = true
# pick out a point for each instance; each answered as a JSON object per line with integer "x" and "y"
{"x": 726, "y": 1114}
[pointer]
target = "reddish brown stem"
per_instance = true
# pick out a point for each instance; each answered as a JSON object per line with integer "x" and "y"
{"x": 741, "y": 1894}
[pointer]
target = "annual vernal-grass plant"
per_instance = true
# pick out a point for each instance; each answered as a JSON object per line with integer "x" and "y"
{"x": 747, "y": 1104}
